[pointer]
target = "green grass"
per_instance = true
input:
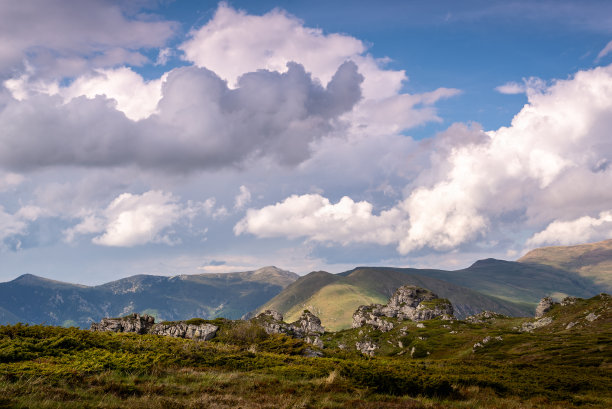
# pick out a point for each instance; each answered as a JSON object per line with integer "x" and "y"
{"x": 334, "y": 304}
{"x": 434, "y": 366}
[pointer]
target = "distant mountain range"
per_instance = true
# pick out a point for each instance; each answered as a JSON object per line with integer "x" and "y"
{"x": 32, "y": 299}
{"x": 592, "y": 261}
{"x": 508, "y": 287}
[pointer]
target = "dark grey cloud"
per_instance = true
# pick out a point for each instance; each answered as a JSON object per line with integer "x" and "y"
{"x": 201, "y": 123}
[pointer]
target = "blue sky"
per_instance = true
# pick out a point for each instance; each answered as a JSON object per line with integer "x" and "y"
{"x": 195, "y": 136}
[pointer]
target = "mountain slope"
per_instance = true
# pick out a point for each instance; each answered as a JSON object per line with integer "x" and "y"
{"x": 34, "y": 299}
{"x": 512, "y": 281}
{"x": 593, "y": 260}
{"x": 334, "y": 297}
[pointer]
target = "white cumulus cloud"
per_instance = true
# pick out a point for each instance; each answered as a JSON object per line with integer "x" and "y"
{"x": 552, "y": 162}
{"x": 315, "y": 217}
{"x": 132, "y": 219}
{"x": 233, "y": 43}
{"x": 582, "y": 230}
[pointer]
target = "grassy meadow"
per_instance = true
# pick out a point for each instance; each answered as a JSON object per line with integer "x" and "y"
{"x": 433, "y": 365}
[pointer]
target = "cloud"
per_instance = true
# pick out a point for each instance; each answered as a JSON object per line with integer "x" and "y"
{"x": 243, "y": 198}
{"x": 10, "y": 180}
{"x": 605, "y": 51}
{"x": 316, "y": 218}
{"x": 136, "y": 98}
{"x": 529, "y": 85}
{"x": 200, "y": 124}
{"x": 131, "y": 220}
{"x": 233, "y": 43}
{"x": 582, "y": 230}
{"x": 511, "y": 88}
{"x": 14, "y": 225}
{"x": 552, "y": 161}
{"x": 96, "y": 33}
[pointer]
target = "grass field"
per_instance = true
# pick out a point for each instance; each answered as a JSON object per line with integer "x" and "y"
{"x": 436, "y": 366}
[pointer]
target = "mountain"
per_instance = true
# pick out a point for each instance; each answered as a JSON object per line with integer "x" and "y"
{"x": 507, "y": 287}
{"x": 334, "y": 297}
{"x": 32, "y": 299}
{"x": 592, "y": 261}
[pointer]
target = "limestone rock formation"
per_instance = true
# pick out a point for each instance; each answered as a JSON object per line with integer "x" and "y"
{"x": 530, "y": 326}
{"x": 366, "y": 347}
{"x": 484, "y": 316}
{"x": 307, "y": 327}
{"x": 140, "y": 324}
{"x": 406, "y": 299}
{"x": 145, "y": 324}
{"x": 568, "y": 301}
{"x": 407, "y": 303}
{"x": 197, "y": 332}
{"x": 373, "y": 316}
{"x": 272, "y": 322}
{"x": 544, "y": 306}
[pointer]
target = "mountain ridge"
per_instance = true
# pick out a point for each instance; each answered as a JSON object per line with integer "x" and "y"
{"x": 34, "y": 299}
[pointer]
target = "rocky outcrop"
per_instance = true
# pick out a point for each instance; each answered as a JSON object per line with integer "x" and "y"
{"x": 483, "y": 317}
{"x": 568, "y": 301}
{"x": 544, "y": 306}
{"x": 140, "y": 324}
{"x": 197, "y": 332}
{"x": 485, "y": 341}
{"x": 373, "y": 316}
{"x": 272, "y": 322}
{"x": 145, "y": 324}
{"x": 307, "y": 327}
{"x": 407, "y": 303}
{"x": 530, "y": 326}
{"x": 366, "y": 347}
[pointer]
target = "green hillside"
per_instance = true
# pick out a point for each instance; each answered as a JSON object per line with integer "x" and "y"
{"x": 564, "y": 363}
{"x": 512, "y": 281}
{"x": 36, "y": 300}
{"x": 334, "y": 297}
{"x": 592, "y": 261}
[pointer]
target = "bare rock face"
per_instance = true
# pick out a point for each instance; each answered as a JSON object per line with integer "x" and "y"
{"x": 436, "y": 308}
{"x": 530, "y": 326}
{"x": 272, "y": 322}
{"x": 140, "y": 324}
{"x": 366, "y": 347}
{"x": 197, "y": 332}
{"x": 145, "y": 324}
{"x": 307, "y": 327}
{"x": 406, "y": 299}
{"x": 568, "y": 301}
{"x": 407, "y": 303}
{"x": 484, "y": 316}
{"x": 544, "y": 306}
{"x": 371, "y": 315}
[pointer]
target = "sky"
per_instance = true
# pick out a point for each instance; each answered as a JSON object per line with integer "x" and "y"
{"x": 184, "y": 137}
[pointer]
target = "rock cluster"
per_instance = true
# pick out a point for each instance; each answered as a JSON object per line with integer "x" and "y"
{"x": 198, "y": 332}
{"x": 568, "y": 301}
{"x": 366, "y": 347}
{"x": 530, "y": 326}
{"x": 145, "y": 324}
{"x": 484, "y": 316}
{"x": 307, "y": 327}
{"x": 544, "y": 306}
{"x": 407, "y": 303}
{"x": 485, "y": 341}
{"x": 140, "y": 324}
